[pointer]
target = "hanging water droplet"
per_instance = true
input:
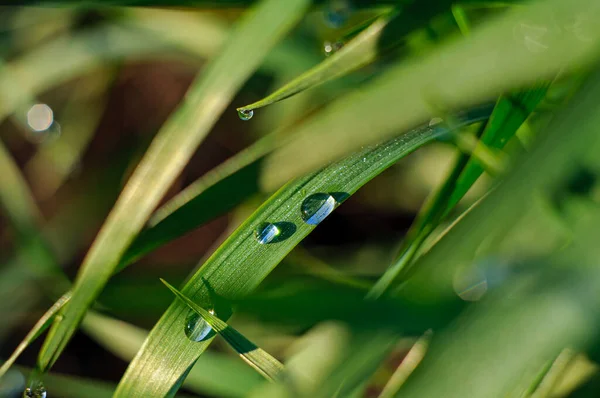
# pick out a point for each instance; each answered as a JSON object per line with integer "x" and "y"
{"x": 38, "y": 391}
{"x": 316, "y": 207}
{"x": 266, "y": 232}
{"x": 246, "y": 114}
{"x": 329, "y": 47}
{"x": 196, "y": 328}
{"x": 337, "y": 13}
{"x": 470, "y": 284}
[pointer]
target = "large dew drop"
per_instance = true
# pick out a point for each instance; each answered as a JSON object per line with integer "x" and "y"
{"x": 196, "y": 328}
{"x": 36, "y": 392}
{"x": 316, "y": 207}
{"x": 266, "y": 232}
{"x": 246, "y": 115}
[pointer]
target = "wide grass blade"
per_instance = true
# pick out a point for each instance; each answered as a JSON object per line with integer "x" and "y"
{"x": 254, "y": 36}
{"x": 492, "y": 60}
{"x": 259, "y": 359}
{"x": 241, "y": 263}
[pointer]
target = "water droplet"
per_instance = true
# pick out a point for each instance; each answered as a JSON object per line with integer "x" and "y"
{"x": 337, "y": 13}
{"x": 266, "y": 232}
{"x": 316, "y": 207}
{"x": 38, "y": 391}
{"x": 246, "y": 114}
{"x": 196, "y": 328}
{"x": 329, "y": 47}
{"x": 435, "y": 120}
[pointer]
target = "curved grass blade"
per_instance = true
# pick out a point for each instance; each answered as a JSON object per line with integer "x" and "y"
{"x": 259, "y": 359}
{"x": 357, "y": 53}
{"x": 460, "y": 73}
{"x": 241, "y": 263}
{"x": 253, "y": 37}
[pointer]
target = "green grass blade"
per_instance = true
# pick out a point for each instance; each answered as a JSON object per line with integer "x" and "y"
{"x": 573, "y": 134}
{"x": 357, "y": 53}
{"x": 524, "y": 324}
{"x": 508, "y": 116}
{"x": 241, "y": 263}
{"x": 253, "y": 37}
{"x": 40, "y": 326}
{"x": 259, "y": 359}
{"x": 462, "y": 72}
{"x": 215, "y": 374}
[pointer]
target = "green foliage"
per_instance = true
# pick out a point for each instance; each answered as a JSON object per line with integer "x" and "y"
{"x": 491, "y": 291}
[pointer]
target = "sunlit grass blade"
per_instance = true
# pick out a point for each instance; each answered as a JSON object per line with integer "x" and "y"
{"x": 509, "y": 114}
{"x": 214, "y": 373}
{"x": 254, "y": 36}
{"x": 242, "y": 262}
{"x": 459, "y": 73}
{"x": 259, "y": 359}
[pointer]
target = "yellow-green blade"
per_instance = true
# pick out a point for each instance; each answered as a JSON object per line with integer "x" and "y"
{"x": 257, "y": 32}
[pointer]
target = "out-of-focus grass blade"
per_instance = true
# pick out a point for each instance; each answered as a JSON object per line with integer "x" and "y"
{"x": 215, "y": 374}
{"x": 358, "y": 52}
{"x": 39, "y": 327}
{"x": 241, "y": 262}
{"x": 527, "y": 322}
{"x": 253, "y": 37}
{"x": 68, "y": 386}
{"x": 509, "y": 114}
{"x": 460, "y": 73}
{"x": 259, "y": 359}
{"x": 572, "y": 135}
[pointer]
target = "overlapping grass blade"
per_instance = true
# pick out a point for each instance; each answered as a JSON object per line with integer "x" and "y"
{"x": 509, "y": 114}
{"x": 214, "y": 373}
{"x": 459, "y": 73}
{"x": 241, "y": 263}
{"x": 254, "y": 36}
{"x": 259, "y": 359}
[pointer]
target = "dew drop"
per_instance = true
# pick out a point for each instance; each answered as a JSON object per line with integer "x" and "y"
{"x": 316, "y": 207}
{"x": 246, "y": 114}
{"x": 266, "y": 232}
{"x": 41, "y": 123}
{"x": 38, "y": 391}
{"x": 470, "y": 284}
{"x": 331, "y": 47}
{"x": 196, "y": 328}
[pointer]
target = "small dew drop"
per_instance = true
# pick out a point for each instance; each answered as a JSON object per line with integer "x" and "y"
{"x": 40, "y": 117}
{"x": 196, "y": 328}
{"x": 329, "y": 47}
{"x": 470, "y": 284}
{"x": 246, "y": 114}
{"x": 317, "y": 207}
{"x": 266, "y": 232}
{"x": 37, "y": 392}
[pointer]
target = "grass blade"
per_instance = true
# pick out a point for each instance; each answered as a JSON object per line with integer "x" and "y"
{"x": 256, "y": 33}
{"x": 359, "y": 52}
{"x": 241, "y": 263}
{"x": 259, "y": 359}
{"x": 409, "y": 92}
